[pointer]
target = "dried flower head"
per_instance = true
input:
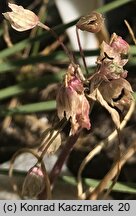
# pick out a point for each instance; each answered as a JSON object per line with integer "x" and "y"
{"x": 21, "y": 19}
{"x": 110, "y": 61}
{"x": 71, "y": 101}
{"x": 108, "y": 85}
{"x": 118, "y": 44}
{"x": 92, "y": 22}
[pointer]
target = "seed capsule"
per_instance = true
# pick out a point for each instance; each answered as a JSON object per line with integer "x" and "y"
{"x": 91, "y": 23}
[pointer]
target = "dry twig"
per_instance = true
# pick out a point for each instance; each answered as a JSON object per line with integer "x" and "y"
{"x": 113, "y": 172}
{"x": 130, "y": 31}
{"x": 6, "y": 35}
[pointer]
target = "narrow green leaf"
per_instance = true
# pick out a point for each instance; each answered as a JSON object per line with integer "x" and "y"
{"x": 118, "y": 187}
{"x": 59, "y": 56}
{"x": 122, "y": 187}
{"x": 134, "y": 95}
{"x": 20, "y": 173}
{"x": 69, "y": 179}
{"x": 10, "y": 66}
{"x": 29, "y": 108}
{"x": 43, "y": 16}
{"x": 133, "y": 50}
{"x": 113, "y": 5}
{"x": 26, "y": 85}
{"x": 132, "y": 62}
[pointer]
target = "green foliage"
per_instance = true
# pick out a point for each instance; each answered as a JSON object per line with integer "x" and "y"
{"x": 122, "y": 187}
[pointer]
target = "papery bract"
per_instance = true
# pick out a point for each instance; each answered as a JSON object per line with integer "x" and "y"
{"x": 117, "y": 92}
{"x": 54, "y": 145}
{"x": 96, "y": 95}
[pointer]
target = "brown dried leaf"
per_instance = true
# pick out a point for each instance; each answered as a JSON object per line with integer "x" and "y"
{"x": 112, "y": 111}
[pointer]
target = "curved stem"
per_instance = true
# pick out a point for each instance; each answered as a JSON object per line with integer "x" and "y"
{"x": 98, "y": 149}
{"x": 47, "y": 182}
{"x": 113, "y": 171}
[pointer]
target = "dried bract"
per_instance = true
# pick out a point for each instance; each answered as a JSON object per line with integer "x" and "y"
{"x": 55, "y": 142}
{"x": 118, "y": 93}
{"x": 96, "y": 95}
{"x": 91, "y": 23}
{"x": 21, "y": 19}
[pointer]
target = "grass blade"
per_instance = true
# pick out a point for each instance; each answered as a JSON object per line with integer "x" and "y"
{"x": 10, "y": 66}
{"x": 122, "y": 187}
{"x": 26, "y": 85}
{"x": 29, "y": 108}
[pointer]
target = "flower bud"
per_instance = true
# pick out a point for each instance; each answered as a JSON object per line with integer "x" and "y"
{"x": 33, "y": 183}
{"x": 21, "y": 19}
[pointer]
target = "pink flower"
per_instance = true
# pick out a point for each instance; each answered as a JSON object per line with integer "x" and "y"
{"x": 119, "y": 45}
{"x": 72, "y": 103}
{"x": 110, "y": 60}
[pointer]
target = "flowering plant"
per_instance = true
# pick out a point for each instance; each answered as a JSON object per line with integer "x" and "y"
{"x": 77, "y": 92}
